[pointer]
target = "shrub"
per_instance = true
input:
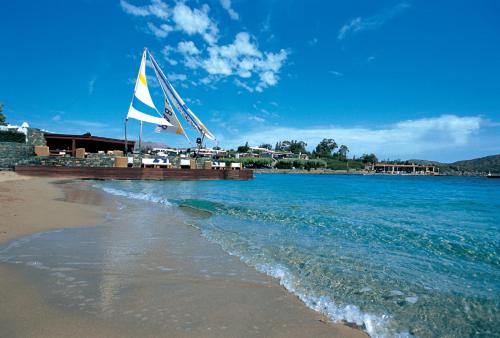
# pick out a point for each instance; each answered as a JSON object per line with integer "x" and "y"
{"x": 314, "y": 164}
{"x": 12, "y": 136}
{"x": 336, "y": 164}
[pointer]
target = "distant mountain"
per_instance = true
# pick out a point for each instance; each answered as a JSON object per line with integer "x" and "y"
{"x": 426, "y": 162}
{"x": 483, "y": 164}
{"x": 477, "y": 166}
{"x": 151, "y": 145}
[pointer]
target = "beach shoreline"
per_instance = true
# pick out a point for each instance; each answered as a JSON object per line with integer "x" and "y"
{"x": 37, "y": 205}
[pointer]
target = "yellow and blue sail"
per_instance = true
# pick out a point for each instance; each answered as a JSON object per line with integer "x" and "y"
{"x": 142, "y": 100}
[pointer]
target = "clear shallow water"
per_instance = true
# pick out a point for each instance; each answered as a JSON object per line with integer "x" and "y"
{"x": 397, "y": 255}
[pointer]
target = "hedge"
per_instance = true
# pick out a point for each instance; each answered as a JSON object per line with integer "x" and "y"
{"x": 12, "y": 136}
{"x": 300, "y": 164}
{"x": 335, "y": 164}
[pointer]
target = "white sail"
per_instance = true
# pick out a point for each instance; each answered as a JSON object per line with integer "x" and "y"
{"x": 141, "y": 85}
{"x": 170, "y": 116}
{"x": 135, "y": 114}
{"x": 141, "y": 92}
{"x": 177, "y": 101}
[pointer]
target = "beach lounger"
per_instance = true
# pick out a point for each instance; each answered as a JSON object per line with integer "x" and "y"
{"x": 161, "y": 162}
{"x": 235, "y": 166}
{"x": 185, "y": 164}
{"x": 147, "y": 162}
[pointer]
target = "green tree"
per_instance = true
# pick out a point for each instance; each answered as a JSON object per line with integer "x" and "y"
{"x": 369, "y": 158}
{"x": 244, "y": 149}
{"x": 325, "y": 148}
{"x": 343, "y": 150}
{"x": 294, "y": 146}
{"x": 2, "y": 116}
{"x": 266, "y": 146}
{"x": 297, "y": 147}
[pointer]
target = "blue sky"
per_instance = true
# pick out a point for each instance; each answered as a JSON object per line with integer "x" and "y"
{"x": 403, "y": 79}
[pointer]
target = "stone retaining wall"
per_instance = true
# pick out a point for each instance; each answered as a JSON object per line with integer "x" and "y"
{"x": 11, "y": 153}
{"x": 92, "y": 160}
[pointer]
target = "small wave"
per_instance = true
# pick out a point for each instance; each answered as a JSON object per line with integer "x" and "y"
{"x": 135, "y": 195}
{"x": 374, "y": 325}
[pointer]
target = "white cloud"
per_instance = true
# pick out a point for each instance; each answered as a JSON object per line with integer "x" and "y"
{"x": 195, "y": 21}
{"x": 256, "y": 118}
{"x": 91, "y": 85}
{"x": 226, "y": 4}
{"x": 161, "y": 31}
{"x": 56, "y": 118}
{"x": 359, "y": 24}
{"x": 313, "y": 41}
{"x": 335, "y": 73}
{"x": 157, "y": 8}
{"x": 403, "y": 139}
{"x": 177, "y": 77}
{"x": 85, "y": 123}
{"x": 243, "y": 85}
{"x": 187, "y": 47}
{"x": 241, "y": 58}
{"x": 181, "y": 17}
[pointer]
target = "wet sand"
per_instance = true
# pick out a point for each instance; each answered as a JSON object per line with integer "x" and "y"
{"x": 149, "y": 277}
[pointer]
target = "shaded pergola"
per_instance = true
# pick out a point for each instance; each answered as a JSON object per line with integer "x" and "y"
{"x": 92, "y": 144}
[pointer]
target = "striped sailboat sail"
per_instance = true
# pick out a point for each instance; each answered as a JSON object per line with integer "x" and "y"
{"x": 170, "y": 116}
{"x": 177, "y": 101}
{"x": 141, "y": 93}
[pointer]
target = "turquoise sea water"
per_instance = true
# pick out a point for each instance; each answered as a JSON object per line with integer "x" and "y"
{"x": 396, "y": 255}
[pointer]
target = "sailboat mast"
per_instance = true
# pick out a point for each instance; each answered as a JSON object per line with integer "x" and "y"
{"x": 140, "y": 138}
{"x": 126, "y": 143}
{"x": 131, "y": 102}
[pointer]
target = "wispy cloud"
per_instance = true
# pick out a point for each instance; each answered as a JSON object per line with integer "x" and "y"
{"x": 335, "y": 73}
{"x": 226, "y": 4}
{"x": 373, "y": 22}
{"x": 157, "y": 8}
{"x": 400, "y": 140}
{"x": 85, "y": 123}
{"x": 313, "y": 42}
{"x": 91, "y": 85}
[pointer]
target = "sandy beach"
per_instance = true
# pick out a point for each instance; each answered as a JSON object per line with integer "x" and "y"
{"x": 136, "y": 297}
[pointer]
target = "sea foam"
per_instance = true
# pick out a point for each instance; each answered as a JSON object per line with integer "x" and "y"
{"x": 135, "y": 195}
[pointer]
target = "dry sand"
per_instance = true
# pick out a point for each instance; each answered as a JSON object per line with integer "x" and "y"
{"x": 37, "y": 204}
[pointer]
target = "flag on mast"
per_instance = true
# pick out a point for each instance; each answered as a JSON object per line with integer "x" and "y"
{"x": 170, "y": 116}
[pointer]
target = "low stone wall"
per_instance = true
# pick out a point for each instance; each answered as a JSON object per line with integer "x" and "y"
{"x": 12, "y": 153}
{"x": 92, "y": 161}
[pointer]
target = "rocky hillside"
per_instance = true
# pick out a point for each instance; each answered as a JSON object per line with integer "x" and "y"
{"x": 481, "y": 166}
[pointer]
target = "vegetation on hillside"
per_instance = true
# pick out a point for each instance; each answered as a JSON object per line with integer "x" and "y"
{"x": 326, "y": 154}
